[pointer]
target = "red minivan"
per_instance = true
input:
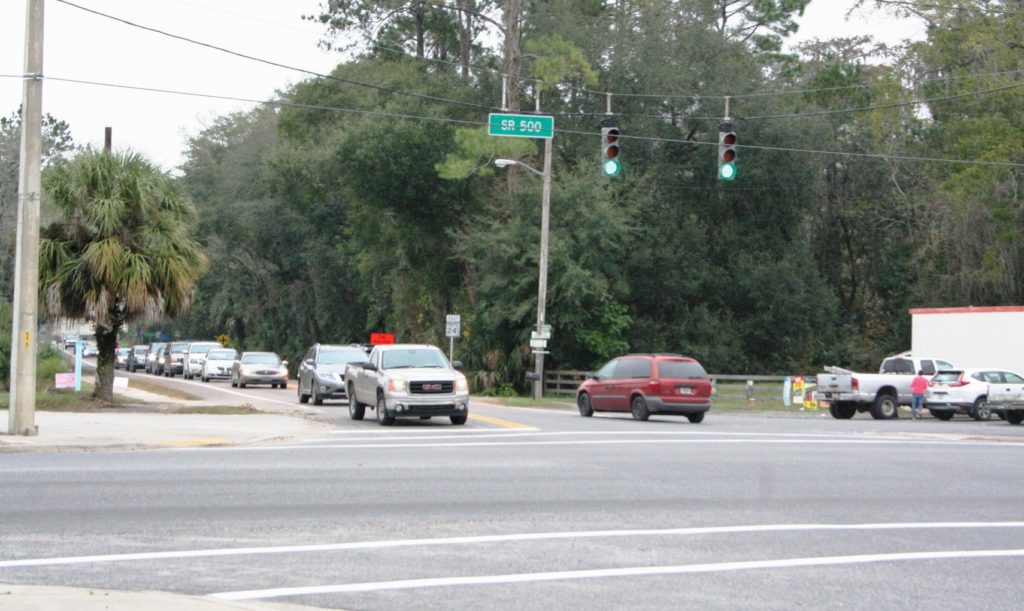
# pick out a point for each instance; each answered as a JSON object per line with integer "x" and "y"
{"x": 647, "y": 384}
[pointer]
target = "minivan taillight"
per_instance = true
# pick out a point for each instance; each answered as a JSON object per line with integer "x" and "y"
{"x": 654, "y": 386}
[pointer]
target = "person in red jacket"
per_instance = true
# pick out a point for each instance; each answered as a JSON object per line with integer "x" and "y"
{"x": 918, "y": 386}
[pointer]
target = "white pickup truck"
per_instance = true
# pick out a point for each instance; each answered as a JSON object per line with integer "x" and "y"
{"x": 407, "y": 380}
{"x": 845, "y": 393}
{"x": 1007, "y": 400}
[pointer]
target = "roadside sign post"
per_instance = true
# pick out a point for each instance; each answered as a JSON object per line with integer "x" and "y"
{"x": 78, "y": 365}
{"x": 452, "y": 329}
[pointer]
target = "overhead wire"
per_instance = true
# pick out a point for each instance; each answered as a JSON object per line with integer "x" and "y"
{"x": 274, "y": 63}
{"x": 472, "y": 104}
{"x": 281, "y": 103}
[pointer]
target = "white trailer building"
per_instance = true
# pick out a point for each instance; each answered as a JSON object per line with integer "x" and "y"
{"x": 989, "y": 336}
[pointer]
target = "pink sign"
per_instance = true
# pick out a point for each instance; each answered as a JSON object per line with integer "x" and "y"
{"x": 64, "y": 380}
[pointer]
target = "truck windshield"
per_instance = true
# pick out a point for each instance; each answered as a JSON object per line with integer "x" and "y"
{"x": 413, "y": 357}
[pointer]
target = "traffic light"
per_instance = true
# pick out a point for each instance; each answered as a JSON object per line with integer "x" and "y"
{"x": 610, "y": 163}
{"x": 726, "y": 151}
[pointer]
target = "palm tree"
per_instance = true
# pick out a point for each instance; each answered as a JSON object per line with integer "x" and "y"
{"x": 122, "y": 248}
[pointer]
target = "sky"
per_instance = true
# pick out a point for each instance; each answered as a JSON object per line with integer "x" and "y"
{"x": 82, "y": 46}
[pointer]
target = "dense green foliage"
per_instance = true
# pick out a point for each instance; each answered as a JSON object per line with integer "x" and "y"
{"x": 350, "y": 209}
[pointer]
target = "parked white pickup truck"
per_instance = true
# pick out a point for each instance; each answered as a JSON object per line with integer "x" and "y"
{"x": 407, "y": 380}
{"x": 1008, "y": 400}
{"x": 845, "y": 393}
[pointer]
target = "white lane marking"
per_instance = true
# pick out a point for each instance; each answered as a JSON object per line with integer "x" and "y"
{"x": 491, "y": 433}
{"x": 514, "y": 537}
{"x": 714, "y": 567}
{"x": 584, "y": 442}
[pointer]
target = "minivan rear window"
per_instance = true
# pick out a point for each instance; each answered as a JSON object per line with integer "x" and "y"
{"x": 681, "y": 370}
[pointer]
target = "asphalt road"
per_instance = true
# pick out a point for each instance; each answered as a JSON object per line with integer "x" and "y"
{"x": 541, "y": 509}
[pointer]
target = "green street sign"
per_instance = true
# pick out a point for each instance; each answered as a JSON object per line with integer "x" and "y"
{"x": 521, "y": 126}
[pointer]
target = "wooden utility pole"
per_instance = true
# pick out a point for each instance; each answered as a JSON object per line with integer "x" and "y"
{"x": 21, "y": 420}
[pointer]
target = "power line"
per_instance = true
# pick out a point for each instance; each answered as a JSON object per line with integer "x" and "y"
{"x": 893, "y": 105}
{"x": 813, "y": 113}
{"x": 473, "y": 104}
{"x": 283, "y": 104}
{"x": 278, "y": 103}
{"x": 273, "y": 63}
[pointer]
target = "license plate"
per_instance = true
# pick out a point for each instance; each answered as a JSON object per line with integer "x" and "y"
{"x": 685, "y": 390}
{"x": 823, "y": 404}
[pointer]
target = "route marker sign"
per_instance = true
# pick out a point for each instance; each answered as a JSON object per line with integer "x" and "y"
{"x": 520, "y": 126}
{"x": 452, "y": 325}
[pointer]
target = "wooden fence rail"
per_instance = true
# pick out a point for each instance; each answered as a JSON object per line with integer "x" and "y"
{"x": 565, "y": 382}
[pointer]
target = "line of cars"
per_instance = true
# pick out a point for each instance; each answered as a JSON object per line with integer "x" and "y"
{"x": 206, "y": 361}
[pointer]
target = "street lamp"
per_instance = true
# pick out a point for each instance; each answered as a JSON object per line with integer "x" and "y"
{"x": 542, "y": 284}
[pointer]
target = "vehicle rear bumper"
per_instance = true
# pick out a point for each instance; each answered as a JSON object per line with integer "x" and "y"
{"x": 658, "y": 405}
{"x": 948, "y": 405}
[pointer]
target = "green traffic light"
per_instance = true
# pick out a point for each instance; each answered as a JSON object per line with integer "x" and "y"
{"x": 612, "y": 167}
{"x": 727, "y": 171}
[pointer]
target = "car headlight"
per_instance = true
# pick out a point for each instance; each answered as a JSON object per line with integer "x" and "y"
{"x": 396, "y": 385}
{"x": 461, "y": 384}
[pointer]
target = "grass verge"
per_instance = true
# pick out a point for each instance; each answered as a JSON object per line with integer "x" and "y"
{"x": 157, "y": 389}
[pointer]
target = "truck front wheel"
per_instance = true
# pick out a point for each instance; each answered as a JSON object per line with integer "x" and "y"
{"x": 383, "y": 418}
{"x": 884, "y": 407}
{"x": 842, "y": 411}
{"x": 356, "y": 410}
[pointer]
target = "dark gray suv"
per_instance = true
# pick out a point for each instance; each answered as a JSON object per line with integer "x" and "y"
{"x": 322, "y": 371}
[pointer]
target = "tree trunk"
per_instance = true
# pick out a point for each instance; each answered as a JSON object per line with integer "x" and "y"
{"x": 511, "y": 63}
{"x": 466, "y": 36}
{"x": 106, "y": 344}
{"x": 420, "y": 46}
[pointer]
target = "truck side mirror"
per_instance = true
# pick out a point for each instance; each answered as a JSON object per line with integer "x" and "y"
{"x": 457, "y": 365}
{"x": 370, "y": 367}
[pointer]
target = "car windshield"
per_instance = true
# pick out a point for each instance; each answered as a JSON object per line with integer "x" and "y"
{"x": 179, "y": 347}
{"x": 682, "y": 370}
{"x": 122, "y": 352}
{"x": 202, "y": 349}
{"x": 221, "y": 355}
{"x": 946, "y": 376}
{"x": 261, "y": 359}
{"x": 341, "y": 357}
{"x": 413, "y": 357}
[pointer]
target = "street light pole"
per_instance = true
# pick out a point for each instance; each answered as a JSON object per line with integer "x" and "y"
{"x": 21, "y": 417}
{"x": 542, "y": 282}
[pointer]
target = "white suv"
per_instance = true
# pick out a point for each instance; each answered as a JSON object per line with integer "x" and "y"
{"x": 965, "y": 391}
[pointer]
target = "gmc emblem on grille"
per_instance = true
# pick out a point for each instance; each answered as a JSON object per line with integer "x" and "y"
{"x": 431, "y": 387}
